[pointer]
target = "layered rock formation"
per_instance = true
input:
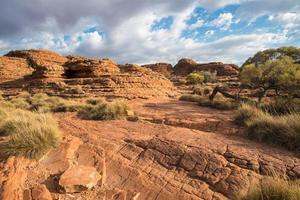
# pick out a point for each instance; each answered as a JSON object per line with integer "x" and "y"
{"x": 186, "y": 66}
{"x": 46, "y": 64}
{"x": 162, "y": 68}
{"x": 13, "y": 68}
{"x": 80, "y": 67}
{"x": 56, "y": 75}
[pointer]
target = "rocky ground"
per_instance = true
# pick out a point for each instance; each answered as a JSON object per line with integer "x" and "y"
{"x": 171, "y": 150}
{"x": 174, "y": 150}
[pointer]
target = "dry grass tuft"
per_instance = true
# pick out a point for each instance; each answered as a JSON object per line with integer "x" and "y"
{"x": 100, "y": 109}
{"x": 29, "y": 134}
{"x": 273, "y": 189}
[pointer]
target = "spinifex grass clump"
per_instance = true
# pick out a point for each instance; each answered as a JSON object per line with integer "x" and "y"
{"x": 283, "y": 130}
{"x": 29, "y": 134}
{"x": 273, "y": 189}
{"x": 100, "y": 109}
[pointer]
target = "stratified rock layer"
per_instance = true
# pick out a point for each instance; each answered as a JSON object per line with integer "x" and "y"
{"x": 162, "y": 68}
{"x": 186, "y": 66}
{"x": 57, "y": 75}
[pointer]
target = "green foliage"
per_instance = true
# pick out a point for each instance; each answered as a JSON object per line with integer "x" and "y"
{"x": 103, "y": 110}
{"x": 283, "y": 130}
{"x": 29, "y": 134}
{"x": 195, "y": 78}
{"x": 282, "y": 74}
{"x": 273, "y": 189}
{"x": 264, "y": 56}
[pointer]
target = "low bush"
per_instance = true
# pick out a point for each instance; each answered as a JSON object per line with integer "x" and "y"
{"x": 218, "y": 103}
{"x": 224, "y": 104}
{"x": 273, "y": 189}
{"x": 281, "y": 106}
{"x": 202, "y": 90}
{"x": 283, "y": 130}
{"x": 190, "y": 98}
{"x": 29, "y": 134}
{"x": 194, "y": 78}
{"x": 103, "y": 110}
{"x": 209, "y": 77}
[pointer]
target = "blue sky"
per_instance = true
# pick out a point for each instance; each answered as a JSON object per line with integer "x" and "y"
{"x": 134, "y": 31}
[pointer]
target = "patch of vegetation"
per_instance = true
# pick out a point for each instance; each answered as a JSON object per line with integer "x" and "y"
{"x": 202, "y": 90}
{"x": 103, "y": 110}
{"x": 41, "y": 102}
{"x": 281, "y": 75}
{"x": 190, "y": 98}
{"x": 77, "y": 89}
{"x": 218, "y": 103}
{"x": 281, "y": 106}
{"x": 29, "y": 134}
{"x": 283, "y": 130}
{"x": 195, "y": 78}
{"x": 209, "y": 77}
{"x": 273, "y": 189}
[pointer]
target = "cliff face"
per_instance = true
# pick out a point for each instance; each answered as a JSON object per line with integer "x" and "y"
{"x": 53, "y": 73}
{"x": 186, "y": 66}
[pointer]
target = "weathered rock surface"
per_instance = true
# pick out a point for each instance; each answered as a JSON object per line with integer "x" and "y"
{"x": 46, "y": 63}
{"x": 13, "y": 68}
{"x": 186, "y": 66}
{"x": 162, "y": 68}
{"x": 79, "y": 67}
{"x": 56, "y": 75}
{"x": 40, "y": 192}
{"x": 79, "y": 178}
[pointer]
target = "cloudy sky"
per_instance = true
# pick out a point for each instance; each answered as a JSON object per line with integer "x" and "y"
{"x": 143, "y": 31}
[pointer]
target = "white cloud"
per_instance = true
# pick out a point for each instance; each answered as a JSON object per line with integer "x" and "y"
{"x": 199, "y": 23}
{"x": 209, "y": 33}
{"x": 223, "y": 21}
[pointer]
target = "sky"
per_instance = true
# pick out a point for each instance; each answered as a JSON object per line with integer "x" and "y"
{"x": 150, "y": 31}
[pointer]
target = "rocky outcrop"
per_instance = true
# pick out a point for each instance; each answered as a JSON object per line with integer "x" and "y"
{"x": 162, "y": 68}
{"x": 79, "y": 67}
{"x": 13, "y": 68}
{"x": 186, "y": 66}
{"x": 47, "y": 64}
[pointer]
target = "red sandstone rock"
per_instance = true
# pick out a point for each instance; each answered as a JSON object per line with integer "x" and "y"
{"x": 13, "y": 68}
{"x": 46, "y": 63}
{"x": 162, "y": 68}
{"x": 186, "y": 66}
{"x": 40, "y": 192}
{"x": 79, "y": 67}
{"x": 79, "y": 178}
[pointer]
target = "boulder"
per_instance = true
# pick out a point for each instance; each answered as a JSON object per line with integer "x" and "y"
{"x": 79, "y": 178}
{"x": 162, "y": 68}
{"x": 80, "y": 67}
{"x": 186, "y": 66}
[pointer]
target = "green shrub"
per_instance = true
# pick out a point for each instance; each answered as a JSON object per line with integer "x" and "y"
{"x": 194, "y": 78}
{"x": 29, "y": 134}
{"x": 104, "y": 111}
{"x": 95, "y": 101}
{"x": 273, "y": 189}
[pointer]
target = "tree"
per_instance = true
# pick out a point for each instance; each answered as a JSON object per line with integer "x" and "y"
{"x": 195, "y": 78}
{"x": 281, "y": 74}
